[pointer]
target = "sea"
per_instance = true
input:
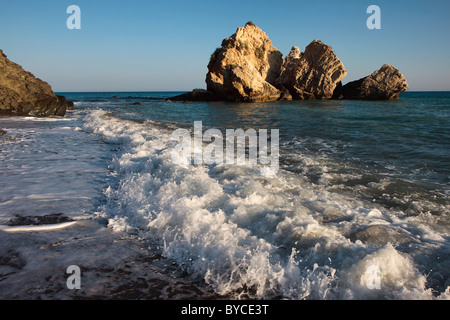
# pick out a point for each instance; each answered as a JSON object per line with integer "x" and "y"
{"x": 359, "y": 207}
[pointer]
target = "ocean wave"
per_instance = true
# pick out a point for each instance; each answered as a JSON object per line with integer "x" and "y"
{"x": 247, "y": 235}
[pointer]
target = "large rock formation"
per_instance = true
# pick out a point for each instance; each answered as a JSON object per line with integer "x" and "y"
{"x": 384, "y": 84}
{"x": 313, "y": 74}
{"x": 248, "y": 68}
{"x": 245, "y": 67}
{"x": 21, "y": 93}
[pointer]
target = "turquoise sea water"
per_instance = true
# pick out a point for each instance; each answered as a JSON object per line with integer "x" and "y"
{"x": 362, "y": 186}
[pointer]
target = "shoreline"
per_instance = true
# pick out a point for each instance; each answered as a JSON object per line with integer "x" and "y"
{"x": 110, "y": 272}
{"x": 129, "y": 272}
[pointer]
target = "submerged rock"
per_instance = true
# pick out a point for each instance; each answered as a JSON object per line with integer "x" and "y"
{"x": 380, "y": 235}
{"x": 38, "y": 220}
{"x": 313, "y": 74}
{"x": 384, "y": 84}
{"x": 21, "y": 93}
{"x": 245, "y": 68}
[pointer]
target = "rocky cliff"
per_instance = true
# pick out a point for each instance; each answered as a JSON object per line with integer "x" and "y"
{"x": 21, "y": 93}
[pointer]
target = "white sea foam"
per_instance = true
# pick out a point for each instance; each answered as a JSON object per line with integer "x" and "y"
{"x": 49, "y": 167}
{"x": 246, "y": 234}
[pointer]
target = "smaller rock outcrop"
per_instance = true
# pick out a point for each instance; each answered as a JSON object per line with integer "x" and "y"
{"x": 384, "y": 84}
{"x": 21, "y": 93}
{"x": 313, "y": 74}
{"x": 195, "y": 95}
{"x": 70, "y": 105}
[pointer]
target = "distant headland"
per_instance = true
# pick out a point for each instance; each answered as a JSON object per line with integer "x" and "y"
{"x": 248, "y": 68}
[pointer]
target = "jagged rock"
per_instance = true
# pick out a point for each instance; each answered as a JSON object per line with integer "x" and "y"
{"x": 384, "y": 84}
{"x": 245, "y": 67}
{"x": 21, "y": 93}
{"x": 313, "y": 74}
{"x": 288, "y": 71}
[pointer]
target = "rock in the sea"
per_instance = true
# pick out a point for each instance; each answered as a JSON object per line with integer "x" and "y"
{"x": 21, "y": 93}
{"x": 313, "y": 74}
{"x": 248, "y": 68}
{"x": 195, "y": 95}
{"x": 384, "y": 84}
{"x": 245, "y": 67}
{"x": 70, "y": 105}
{"x": 2, "y": 132}
{"x": 380, "y": 235}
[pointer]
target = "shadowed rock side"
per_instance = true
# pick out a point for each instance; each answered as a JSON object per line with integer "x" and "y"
{"x": 384, "y": 84}
{"x": 21, "y": 93}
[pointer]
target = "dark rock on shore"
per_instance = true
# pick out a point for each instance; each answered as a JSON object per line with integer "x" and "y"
{"x": 2, "y": 132}
{"x": 38, "y": 220}
{"x": 384, "y": 84}
{"x": 21, "y": 93}
{"x": 70, "y": 105}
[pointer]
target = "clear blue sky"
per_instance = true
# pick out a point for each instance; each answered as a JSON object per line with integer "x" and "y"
{"x": 139, "y": 45}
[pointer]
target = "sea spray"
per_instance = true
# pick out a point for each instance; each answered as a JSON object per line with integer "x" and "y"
{"x": 245, "y": 234}
{"x": 231, "y": 150}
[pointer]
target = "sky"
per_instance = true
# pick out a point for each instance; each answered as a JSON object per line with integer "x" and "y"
{"x": 139, "y": 45}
